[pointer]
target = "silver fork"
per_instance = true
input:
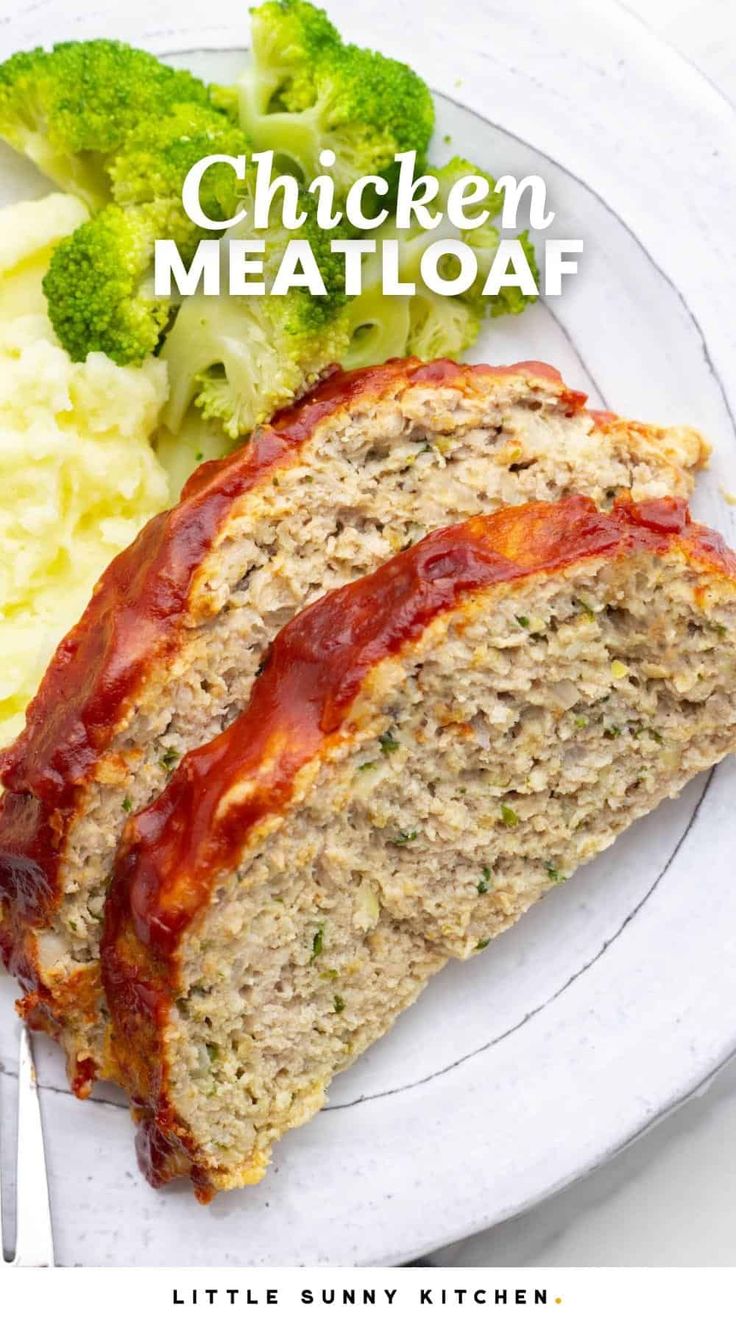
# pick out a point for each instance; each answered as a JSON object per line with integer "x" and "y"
{"x": 34, "y": 1244}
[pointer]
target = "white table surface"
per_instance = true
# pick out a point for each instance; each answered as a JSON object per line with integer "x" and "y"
{"x": 670, "y": 1198}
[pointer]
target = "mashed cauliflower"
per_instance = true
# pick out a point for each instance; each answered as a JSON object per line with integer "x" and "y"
{"x": 78, "y": 475}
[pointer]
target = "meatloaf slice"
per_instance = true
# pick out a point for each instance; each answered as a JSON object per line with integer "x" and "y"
{"x": 427, "y": 751}
{"x": 165, "y": 654}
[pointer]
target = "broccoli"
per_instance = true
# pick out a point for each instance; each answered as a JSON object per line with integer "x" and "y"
{"x": 69, "y": 109}
{"x": 305, "y": 90}
{"x": 428, "y": 324}
{"x": 157, "y": 156}
{"x": 288, "y": 37}
{"x": 96, "y": 286}
{"x": 122, "y": 130}
{"x": 439, "y": 326}
{"x": 240, "y": 358}
{"x": 99, "y": 283}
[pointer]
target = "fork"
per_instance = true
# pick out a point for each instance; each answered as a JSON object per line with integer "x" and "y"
{"x": 34, "y": 1245}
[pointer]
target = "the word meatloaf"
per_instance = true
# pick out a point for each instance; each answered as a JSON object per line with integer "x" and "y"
{"x": 426, "y": 752}
{"x": 165, "y": 655}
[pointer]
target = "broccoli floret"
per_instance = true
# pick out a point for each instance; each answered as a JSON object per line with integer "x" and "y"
{"x": 509, "y": 299}
{"x": 428, "y": 324}
{"x": 288, "y": 37}
{"x": 240, "y": 358}
{"x": 69, "y": 109}
{"x": 440, "y": 327}
{"x": 305, "y": 91}
{"x": 484, "y": 239}
{"x": 379, "y": 326}
{"x": 157, "y": 156}
{"x": 97, "y": 286}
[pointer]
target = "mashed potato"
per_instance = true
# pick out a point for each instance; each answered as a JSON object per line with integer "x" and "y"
{"x": 28, "y": 233}
{"x": 78, "y": 476}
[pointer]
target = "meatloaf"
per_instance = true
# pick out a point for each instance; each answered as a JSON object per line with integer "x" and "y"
{"x": 426, "y": 752}
{"x": 165, "y": 655}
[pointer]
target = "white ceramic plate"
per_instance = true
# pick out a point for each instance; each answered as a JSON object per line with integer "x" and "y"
{"x": 613, "y": 998}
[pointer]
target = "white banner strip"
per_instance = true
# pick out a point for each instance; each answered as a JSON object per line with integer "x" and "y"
{"x": 575, "y": 1296}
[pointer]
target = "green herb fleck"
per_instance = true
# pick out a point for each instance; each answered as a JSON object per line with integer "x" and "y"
{"x": 199, "y": 457}
{"x": 308, "y": 478}
{"x": 127, "y": 804}
{"x": 73, "y": 925}
{"x": 318, "y": 942}
{"x": 169, "y": 759}
{"x": 655, "y": 735}
{"x": 509, "y": 817}
{"x": 610, "y": 732}
{"x": 328, "y": 974}
{"x": 363, "y": 766}
{"x": 388, "y": 743}
{"x": 523, "y": 622}
{"x": 554, "y": 874}
{"x": 581, "y": 723}
{"x": 483, "y": 943}
{"x": 585, "y": 607}
{"x": 485, "y": 880}
{"x": 403, "y": 837}
{"x": 213, "y": 1052}
{"x": 339, "y": 1003}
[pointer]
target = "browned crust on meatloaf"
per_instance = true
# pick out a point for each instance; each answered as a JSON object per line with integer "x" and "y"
{"x": 173, "y": 852}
